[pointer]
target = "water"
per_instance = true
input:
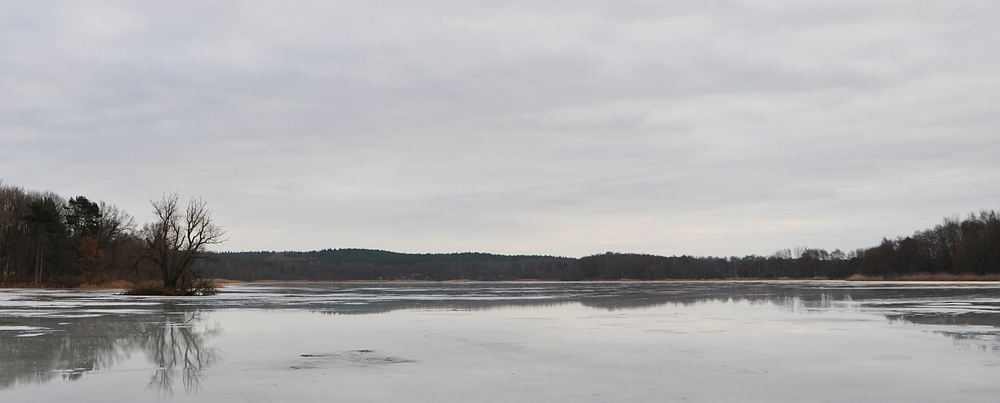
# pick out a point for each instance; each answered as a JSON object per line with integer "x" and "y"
{"x": 796, "y": 341}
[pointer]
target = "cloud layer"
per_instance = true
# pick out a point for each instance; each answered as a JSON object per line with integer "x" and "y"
{"x": 569, "y": 128}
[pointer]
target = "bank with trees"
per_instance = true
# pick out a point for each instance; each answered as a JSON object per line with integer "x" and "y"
{"x": 48, "y": 240}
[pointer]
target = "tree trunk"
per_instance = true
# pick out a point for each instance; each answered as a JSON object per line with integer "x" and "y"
{"x": 38, "y": 262}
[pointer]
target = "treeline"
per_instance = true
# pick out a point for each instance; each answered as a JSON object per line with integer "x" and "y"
{"x": 49, "y": 240}
{"x": 969, "y": 246}
{"x": 366, "y": 264}
{"x": 811, "y": 263}
{"x": 956, "y": 247}
{"x": 334, "y": 265}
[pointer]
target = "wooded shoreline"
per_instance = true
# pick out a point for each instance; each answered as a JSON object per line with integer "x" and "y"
{"x": 222, "y": 283}
{"x": 52, "y": 242}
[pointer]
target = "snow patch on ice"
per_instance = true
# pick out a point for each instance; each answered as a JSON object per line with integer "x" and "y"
{"x": 20, "y": 328}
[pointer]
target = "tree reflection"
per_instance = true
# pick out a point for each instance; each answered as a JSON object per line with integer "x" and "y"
{"x": 69, "y": 348}
{"x": 178, "y": 346}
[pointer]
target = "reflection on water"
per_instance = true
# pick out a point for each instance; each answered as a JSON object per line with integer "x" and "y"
{"x": 65, "y": 347}
{"x": 37, "y": 346}
{"x": 177, "y": 345}
{"x": 48, "y": 335}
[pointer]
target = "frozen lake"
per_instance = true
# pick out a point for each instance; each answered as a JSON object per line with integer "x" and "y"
{"x": 789, "y": 341}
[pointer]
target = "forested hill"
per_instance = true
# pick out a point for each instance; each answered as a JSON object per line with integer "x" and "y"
{"x": 361, "y": 264}
{"x": 370, "y": 264}
{"x": 956, "y": 247}
{"x": 382, "y": 257}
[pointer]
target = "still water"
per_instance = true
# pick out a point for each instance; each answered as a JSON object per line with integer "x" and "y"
{"x": 792, "y": 341}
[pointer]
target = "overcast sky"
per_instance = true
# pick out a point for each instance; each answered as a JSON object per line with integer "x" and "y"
{"x": 539, "y": 127}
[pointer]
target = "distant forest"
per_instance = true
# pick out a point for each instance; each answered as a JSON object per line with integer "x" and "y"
{"x": 49, "y": 240}
{"x": 956, "y": 247}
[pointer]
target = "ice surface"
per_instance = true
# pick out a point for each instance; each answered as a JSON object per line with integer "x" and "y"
{"x": 794, "y": 341}
{"x": 18, "y": 328}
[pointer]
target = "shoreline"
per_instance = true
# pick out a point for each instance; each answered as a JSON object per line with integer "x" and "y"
{"x": 221, "y": 282}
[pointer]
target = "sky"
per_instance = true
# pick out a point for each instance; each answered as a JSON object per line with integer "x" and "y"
{"x": 570, "y": 128}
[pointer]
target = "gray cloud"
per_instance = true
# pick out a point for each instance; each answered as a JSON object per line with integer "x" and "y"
{"x": 712, "y": 128}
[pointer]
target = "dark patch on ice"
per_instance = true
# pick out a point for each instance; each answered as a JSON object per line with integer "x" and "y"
{"x": 362, "y": 358}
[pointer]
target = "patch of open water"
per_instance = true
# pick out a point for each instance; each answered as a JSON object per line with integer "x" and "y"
{"x": 801, "y": 341}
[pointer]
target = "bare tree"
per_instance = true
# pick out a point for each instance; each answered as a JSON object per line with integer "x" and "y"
{"x": 176, "y": 240}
